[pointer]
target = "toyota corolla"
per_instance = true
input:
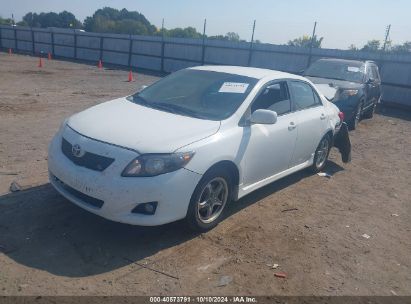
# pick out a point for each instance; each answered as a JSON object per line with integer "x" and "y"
{"x": 186, "y": 146}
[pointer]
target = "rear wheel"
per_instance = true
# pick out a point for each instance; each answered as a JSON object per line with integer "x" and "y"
{"x": 321, "y": 154}
{"x": 370, "y": 112}
{"x": 353, "y": 124}
{"x": 209, "y": 200}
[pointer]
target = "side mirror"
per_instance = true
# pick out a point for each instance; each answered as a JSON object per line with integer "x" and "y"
{"x": 263, "y": 117}
{"x": 301, "y": 72}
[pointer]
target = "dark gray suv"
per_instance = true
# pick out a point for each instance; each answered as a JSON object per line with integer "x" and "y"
{"x": 353, "y": 86}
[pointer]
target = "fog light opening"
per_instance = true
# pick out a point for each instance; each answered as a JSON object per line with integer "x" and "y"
{"x": 145, "y": 208}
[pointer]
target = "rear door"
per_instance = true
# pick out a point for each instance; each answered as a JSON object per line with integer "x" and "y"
{"x": 311, "y": 120}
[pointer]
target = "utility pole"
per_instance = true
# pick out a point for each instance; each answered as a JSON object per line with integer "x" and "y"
{"x": 204, "y": 37}
{"x": 387, "y": 35}
{"x": 311, "y": 44}
{"x": 251, "y": 45}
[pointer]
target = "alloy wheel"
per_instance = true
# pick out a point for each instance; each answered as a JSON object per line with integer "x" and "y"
{"x": 322, "y": 153}
{"x": 212, "y": 200}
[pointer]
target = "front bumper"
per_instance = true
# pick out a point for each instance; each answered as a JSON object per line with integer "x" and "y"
{"x": 343, "y": 143}
{"x": 117, "y": 196}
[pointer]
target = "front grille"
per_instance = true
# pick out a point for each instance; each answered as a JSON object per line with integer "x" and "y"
{"x": 80, "y": 195}
{"x": 88, "y": 160}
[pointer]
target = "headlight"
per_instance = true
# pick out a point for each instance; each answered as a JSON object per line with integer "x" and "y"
{"x": 155, "y": 164}
{"x": 343, "y": 94}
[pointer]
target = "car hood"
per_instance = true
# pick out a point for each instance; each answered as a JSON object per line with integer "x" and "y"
{"x": 146, "y": 130}
{"x": 329, "y": 87}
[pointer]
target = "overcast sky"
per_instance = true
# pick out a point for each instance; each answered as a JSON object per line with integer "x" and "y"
{"x": 340, "y": 22}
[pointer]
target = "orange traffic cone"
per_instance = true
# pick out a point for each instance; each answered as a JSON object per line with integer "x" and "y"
{"x": 100, "y": 64}
{"x": 40, "y": 62}
{"x": 49, "y": 56}
{"x": 10, "y": 51}
{"x": 130, "y": 76}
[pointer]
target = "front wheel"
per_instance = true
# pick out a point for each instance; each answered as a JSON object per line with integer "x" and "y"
{"x": 321, "y": 154}
{"x": 209, "y": 200}
{"x": 370, "y": 112}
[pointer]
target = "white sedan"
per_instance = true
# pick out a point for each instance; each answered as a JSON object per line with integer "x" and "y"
{"x": 186, "y": 146}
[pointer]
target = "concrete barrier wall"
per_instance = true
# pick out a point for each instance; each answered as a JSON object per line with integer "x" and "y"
{"x": 172, "y": 54}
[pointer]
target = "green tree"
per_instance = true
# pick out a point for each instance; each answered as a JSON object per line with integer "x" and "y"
{"x": 188, "y": 32}
{"x": 64, "y": 20}
{"x": 230, "y": 36}
{"x": 111, "y": 20}
{"x": 372, "y": 46}
{"x": 7, "y": 21}
{"x": 401, "y": 48}
{"x": 305, "y": 42}
{"x": 352, "y": 47}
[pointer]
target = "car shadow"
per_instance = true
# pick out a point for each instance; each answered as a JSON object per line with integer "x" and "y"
{"x": 402, "y": 113}
{"x": 274, "y": 187}
{"x": 41, "y": 229}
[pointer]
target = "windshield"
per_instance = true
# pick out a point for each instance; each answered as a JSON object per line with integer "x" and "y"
{"x": 195, "y": 93}
{"x": 349, "y": 71}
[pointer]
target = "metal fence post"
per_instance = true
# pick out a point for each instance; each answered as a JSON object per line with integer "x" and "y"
{"x": 162, "y": 46}
{"x": 1, "y": 42}
{"x": 130, "y": 50}
{"x": 204, "y": 47}
{"x": 52, "y": 42}
{"x": 251, "y": 46}
{"x": 15, "y": 38}
{"x": 75, "y": 44}
{"x": 32, "y": 41}
{"x": 101, "y": 47}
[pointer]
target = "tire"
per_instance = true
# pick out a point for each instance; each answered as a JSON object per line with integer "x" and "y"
{"x": 353, "y": 123}
{"x": 370, "y": 112}
{"x": 321, "y": 154}
{"x": 201, "y": 219}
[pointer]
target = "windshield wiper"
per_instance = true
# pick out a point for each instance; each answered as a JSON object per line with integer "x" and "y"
{"x": 176, "y": 109}
{"x": 167, "y": 107}
{"x": 142, "y": 100}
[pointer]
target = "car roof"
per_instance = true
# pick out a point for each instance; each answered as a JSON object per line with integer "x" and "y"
{"x": 347, "y": 61}
{"x": 256, "y": 73}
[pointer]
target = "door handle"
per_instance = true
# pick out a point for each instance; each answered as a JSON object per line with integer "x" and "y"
{"x": 322, "y": 117}
{"x": 291, "y": 126}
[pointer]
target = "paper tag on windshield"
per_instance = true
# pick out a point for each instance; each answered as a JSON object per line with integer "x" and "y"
{"x": 234, "y": 87}
{"x": 353, "y": 69}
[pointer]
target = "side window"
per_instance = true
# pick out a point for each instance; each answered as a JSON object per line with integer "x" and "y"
{"x": 275, "y": 97}
{"x": 374, "y": 73}
{"x": 304, "y": 95}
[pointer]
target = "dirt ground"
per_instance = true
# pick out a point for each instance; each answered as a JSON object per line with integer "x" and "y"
{"x": 311, "y": 226}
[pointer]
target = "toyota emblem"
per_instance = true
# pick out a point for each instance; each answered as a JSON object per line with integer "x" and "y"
{"x": 76, "y": 150}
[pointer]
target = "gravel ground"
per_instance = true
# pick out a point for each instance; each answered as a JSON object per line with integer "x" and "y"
{"x": 311, "y": 226}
